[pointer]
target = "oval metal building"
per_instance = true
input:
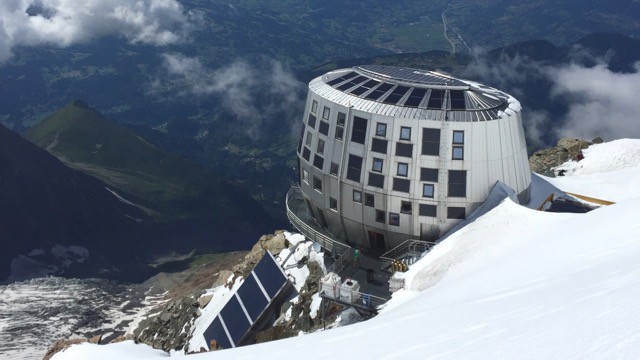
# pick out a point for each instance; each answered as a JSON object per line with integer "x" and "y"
{"x": 388, "y": 154}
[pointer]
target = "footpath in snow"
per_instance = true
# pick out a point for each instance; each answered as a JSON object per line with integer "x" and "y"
{"x": 516, "y": 283}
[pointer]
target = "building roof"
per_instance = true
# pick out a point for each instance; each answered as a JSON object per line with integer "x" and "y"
{"x": 391, "y": 90}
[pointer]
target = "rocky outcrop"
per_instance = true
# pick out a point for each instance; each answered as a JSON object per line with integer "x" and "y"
{"x": 62, "y": 345}
{"x": 566, "y": 149}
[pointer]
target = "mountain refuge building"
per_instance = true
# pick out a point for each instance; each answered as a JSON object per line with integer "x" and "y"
{"x": 388, "y": 154}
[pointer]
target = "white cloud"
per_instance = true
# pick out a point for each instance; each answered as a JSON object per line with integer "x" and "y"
{"x": 601, "y": 102}
{"x": 254, "y": 94}
{"x": 66, "y": 22}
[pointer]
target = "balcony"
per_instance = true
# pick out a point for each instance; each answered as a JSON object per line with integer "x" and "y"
{"x": 299, "y": 216}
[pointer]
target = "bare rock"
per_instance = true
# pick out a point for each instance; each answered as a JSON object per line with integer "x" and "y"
{"x": 223, "y": 278}
{"x": 96, "y": 340}
{"x": 567, "y": 149}
{"x": 203, "y": 301}
{"x": 597, "y": 140}
{"x": 62, "y": 345}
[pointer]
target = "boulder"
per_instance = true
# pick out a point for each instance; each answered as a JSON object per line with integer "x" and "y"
{"x": 543, "y": 161}
{"x": 96, "y": 340}
{"x": 62, "y": 345}
{"x": 203, "y": 301}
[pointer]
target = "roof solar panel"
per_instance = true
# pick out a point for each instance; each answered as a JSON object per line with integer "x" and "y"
{"x": 396, "y": 94}
{"x": 415, "y": 98}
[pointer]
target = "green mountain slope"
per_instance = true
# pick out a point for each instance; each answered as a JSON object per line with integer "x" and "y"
{"x": 167, "y": 187}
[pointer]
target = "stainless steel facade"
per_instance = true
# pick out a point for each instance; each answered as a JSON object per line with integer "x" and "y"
{"x": 388, "y": 153}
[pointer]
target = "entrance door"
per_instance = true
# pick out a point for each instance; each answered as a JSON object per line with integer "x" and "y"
{"x": 376, "y": 242}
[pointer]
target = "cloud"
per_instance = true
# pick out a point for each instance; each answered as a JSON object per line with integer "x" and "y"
{"x": 67, "y": 22}
{"x": 601, "y": 102}
{"x": 255, "y": 94}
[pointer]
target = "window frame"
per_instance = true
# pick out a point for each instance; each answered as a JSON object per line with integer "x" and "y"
{"x": 367, "y": 197}
{"x": 332, "y": 167}
{"x": 305, "y": 176}
{"x": 320, "y": 147}
{"x": 316, "y": 181}
{"x": 314, "y": 107}
{"x": 358, "y": 198}
{"x": 453, "y": 139}
{"x": 402, "y": 130}
{"x": 326, "y": 111}
{"x": 453, "y": 152}
{"x": 333, "y": 204}
{"x": 381, "y": 216}
{"x": 377, "y": 161}
{"x": 309, "y": 139}
{"x": 406, "y": 170}
{"x": 394, "y": 219}
{"x": 433, "y": 191}
{"x": 403, "y": 205}
{"x": 382, "y": 126}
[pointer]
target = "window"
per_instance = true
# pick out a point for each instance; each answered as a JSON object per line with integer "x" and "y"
{"x": 341, "y": 118}
{"x": 333, "y": 204}
{"x": 428, "y": 210}
{"x": 376, "y": 180}
{"x": 317, "y": 184}
{"x": 357, "y": 196}
{"x": 380, "y": 216}
{"x": 312, "y": 121}
{"x": 404, "y": 150}
{"x": 369, "y": 200}
{"x": 455, "y": 213}
{"x": 354, "y": 168}
{"x": 406, "y": 207}
{"x": 325, "y": 113}
{"x": 379, "y": 145}
{"x": 305, "y": 176}
{"x": 359, "y": 131}
{"x": 458, "y": 137}
{"x": 402, "y": 185}
{"x": 403, "y": 169}
{"x": 381, "y": 129}
{"x": 318, "y": 161}
{"x": 339, "y": 133}
{"x": 415, "y": 98}
{"x": 457, "y": 153}
{"x": 457, "y": 183}
{"x": 377, "y": 165}
{"x": 427, "y": 174}
{"x": 324, "y": 128}
{"x": 428, "y": 190}
{"x": 333, "y": 169}
{"x": 405, "y": 133}
{"x": 309, "y": 139}
{"x": 320, "y": 147}
{"x": 430, "y": 141}
{"x": 457, "y": 100}
{"x": 306, "y": 153}
{"x": 314, "y": 106}
{"x": 301, "y": 138}
{"x": 435, "y": 100}
{"x": 394, "y": 219}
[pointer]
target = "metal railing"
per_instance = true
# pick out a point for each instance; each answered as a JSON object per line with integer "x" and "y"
{"x": 294, "y": 201}
{"x": 409, "y": 251}
{"x": 342, "y": 259}
{"x": 345, "y": 295}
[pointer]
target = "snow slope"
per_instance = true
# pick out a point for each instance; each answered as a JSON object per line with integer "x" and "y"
{"x": 516, "y": 283}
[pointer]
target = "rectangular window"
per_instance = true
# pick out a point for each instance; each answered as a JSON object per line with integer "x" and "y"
{"x": 457, "y": 153}
{"x": 406, "y": 207}
{"x": 324, "y": 128}
{"x": 306, "y": 153}
{"x": 354, "y": 168}
{"x": 381, "y": 129}
{"x": 403, "y": 169}
{"x": 377, "y": 165}
{"x": 301, "y": 138}
{"x": 380, "y": 216}
{"x": 404, "y": 150}
{"x": 305, "y": 176}
{"x": 458, "y": 137}
{"x": 376, "y": 180}
{"x": 317, "y": 184}
{"x": 341, "y": 118}
{"x": 318, "y": 161}
{"x": 379, "y": 145}
{"x": 394, "y": 219}
{"x": 457, "y": 183}
{"x": 320, "y": 147}
{"x": 333, "y": 204}
{"x": 359, "y": 131}
{"x": 339, "y": 133}
{"x": 402, "y": 185}
{"x": 435, "y": 100}
{"x": 369, "y": 200}
{"x": 309, "y": 139}
{"x": 314, "y": 106}
{"x": 455, "y": 213}
{"x": 428, "y": 210}
{"x": 325, "y": 113}
{"x": 427, "y": 174}
{"x": 428, "y": 190}
{"x": 405, "y": 133}
{"x": 333, "y": 169}
{"x": 312, "y": 121}
{"x": 357, "y": 196}
{"x": 430, "y": 141}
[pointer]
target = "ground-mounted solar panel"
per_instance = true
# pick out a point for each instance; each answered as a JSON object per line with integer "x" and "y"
{"x": 270, "y": 275}
{"x": 245, "y": 307}
{"x": 216, "y": 332}
{"x": 252, "y": 297}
